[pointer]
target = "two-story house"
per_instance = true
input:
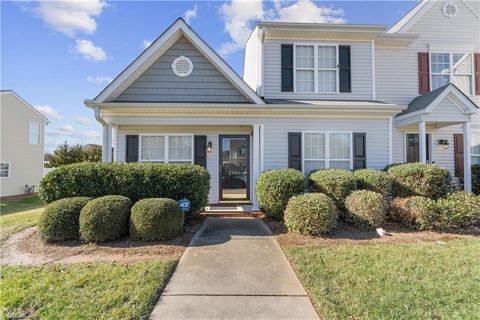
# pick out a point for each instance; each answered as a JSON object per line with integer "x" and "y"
{"x": 312, "y": 96}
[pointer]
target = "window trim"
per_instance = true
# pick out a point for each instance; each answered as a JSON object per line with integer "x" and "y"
{"x": 316, "y": 69}
{"x": 9, "y": 169}
{"x": 39, "y": 133}
{"x": 451, "y": 74}
{"x": 327, "y": 148}
{"x": 166, "y": 147}
{"x": 471, "y": 146}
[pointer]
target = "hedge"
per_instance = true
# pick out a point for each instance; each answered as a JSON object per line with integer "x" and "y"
{"x": 418, "y": 212}
{"x": 420, "y": 179}
{"x": 275, "y": 187}
{"x": 59, "y": 220}
{"x": 105, "y": 218}
{"x": 133, "y": 180}
{"x": 374, "y": 180}
{"x": 459, "y": 209}
{"x": 310, "y": 214}
{"x": 476, "y": 179}
{"x": 156, "y": 219}
{"x": 366, "y": 208}
{"x": 336, "y": 183}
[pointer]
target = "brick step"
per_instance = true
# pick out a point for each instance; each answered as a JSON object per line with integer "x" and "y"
{"x": 233, "y": 214}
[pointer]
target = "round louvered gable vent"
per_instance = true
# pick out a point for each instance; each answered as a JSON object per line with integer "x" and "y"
{"x": 182, "y": 66}
{"x": 449, "y": 10}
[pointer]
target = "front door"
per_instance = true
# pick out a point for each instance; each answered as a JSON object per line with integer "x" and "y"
{"x": 234, "y": 167}
{"x": 413, "y": 147}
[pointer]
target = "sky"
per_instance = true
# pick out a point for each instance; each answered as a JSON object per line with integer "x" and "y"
{"x": 56, "y": 54}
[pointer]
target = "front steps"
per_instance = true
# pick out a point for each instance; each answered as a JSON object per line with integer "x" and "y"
{"x": 221, "y": 211}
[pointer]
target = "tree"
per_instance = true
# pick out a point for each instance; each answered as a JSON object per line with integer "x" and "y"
{"x": 92, "y": 153}
{"x": 67, "y": 154}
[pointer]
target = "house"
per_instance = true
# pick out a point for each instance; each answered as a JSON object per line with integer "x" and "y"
{"x": 312, "y": 96}
{"x": 22, "y": 144}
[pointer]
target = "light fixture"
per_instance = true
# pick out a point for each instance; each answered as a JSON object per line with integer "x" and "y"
{"x": 209, "y": 146}
{"x": 444, "y": 143}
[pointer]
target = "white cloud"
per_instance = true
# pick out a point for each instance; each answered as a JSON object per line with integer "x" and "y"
{"x": 56, "y": 137}
{"x": 49, "y": 112}
{"x": 190, "y": 14}
{"x": 70, "y": 16}
{"x": 239, "y": 17}
{"x": 67, "y": 128}
{"x": 83, "y": 120}
{"x": 89, "y": 51}
{"x": 147, "y": 43}
{"x": 100, "y": 80}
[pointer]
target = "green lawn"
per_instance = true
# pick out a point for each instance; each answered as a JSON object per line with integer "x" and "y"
{"x": 82, "y": 291}
{"x": 392, "y": 281}
{"x": 17, "y": 215}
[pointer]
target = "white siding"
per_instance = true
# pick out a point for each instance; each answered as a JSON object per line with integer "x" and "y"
{"x": 251, "y": 69}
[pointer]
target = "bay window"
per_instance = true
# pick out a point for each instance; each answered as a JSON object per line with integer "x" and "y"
{"x": 324, "y": 150}
{"x": 456, "y": 68}
{"x": 174, "y": 148}
{"x": 316, "y": 68}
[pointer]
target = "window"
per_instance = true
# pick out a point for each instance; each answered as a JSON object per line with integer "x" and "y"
{"x": 166, "y": 148}
{"x": 4, "y": 170}
{"x": 327, "y": 150}
{"x": 316, "y": 68}
{"x": 34, "y": 133}
{"x": 456, "y": 68}
{"x": 475, "y": 148}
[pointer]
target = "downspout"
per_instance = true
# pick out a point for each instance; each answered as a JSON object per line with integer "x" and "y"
{"x": 105, "y": 145}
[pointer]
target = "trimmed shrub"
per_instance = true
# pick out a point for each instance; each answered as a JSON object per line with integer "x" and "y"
{"x": 105, "y": 218}
{"x": 336, "y": 183}
{"x": 275, "y": 187}
{"x": 420, "y": 179}
{"x": 374, "y": 180}
{"x": 59, "y": 220}
{"x": 366, "y": 208}
{"x": 417, "y": 212}
{"x": 310, "y": 214}
{"x": 390, "y": 165}
{"x": 156, "y": 219}
{"x": 460, "y": 209}
{"x": 476, "y": 179}
{"x": 133, "y": 180}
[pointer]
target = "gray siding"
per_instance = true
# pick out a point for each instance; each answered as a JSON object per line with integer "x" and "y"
{"x": 160, "y": 84}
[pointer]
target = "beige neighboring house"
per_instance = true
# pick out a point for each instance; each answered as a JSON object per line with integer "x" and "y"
{"x": 22, "y": 145}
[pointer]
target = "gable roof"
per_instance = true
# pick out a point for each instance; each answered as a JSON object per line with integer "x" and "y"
{"x": 178, "y": 29}
{"x": 2, "y": 92}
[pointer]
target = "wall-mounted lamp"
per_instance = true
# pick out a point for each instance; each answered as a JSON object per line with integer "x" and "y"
{"x": 444, "y": 143}
{"x": 209, "y": 146}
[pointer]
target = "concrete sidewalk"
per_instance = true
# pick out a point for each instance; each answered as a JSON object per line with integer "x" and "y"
{"x": 234, "y": 269}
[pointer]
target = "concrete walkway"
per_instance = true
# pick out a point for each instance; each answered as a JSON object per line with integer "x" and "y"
{"x": 234, "y": 269}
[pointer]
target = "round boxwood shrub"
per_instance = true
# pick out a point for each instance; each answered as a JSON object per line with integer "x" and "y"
{"x": 310, "y": 214}
{"x": 275, "y": 187}
{"x": 459, "y": 209}
{"x": 105, "y": 218}
{"x": 420, "y": 179}
{"x": 156, "y": 219}
{"x": 336, "y": 183}
{"x": 374, "y": 180}
{"x": 59, "y": 220}
{"x": 417, "y": 212}
{"x": 366, "y": 208}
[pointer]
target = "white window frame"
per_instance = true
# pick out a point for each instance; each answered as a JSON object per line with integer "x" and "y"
{"x": 166, "y": 147}
{"x": 316, "y": 69}
{"x": 327, "y": 148}
{"x": 9, "y": 169}
{"x": 451, "y": 75}
{"x": 471, "y": 146}
{"x": 39, "y": 141}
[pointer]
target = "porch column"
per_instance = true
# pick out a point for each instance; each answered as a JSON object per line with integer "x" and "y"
{"x": 107, "y": 143}
{"x": 257, "y": 161}
{"x": 422, "y": 141}
{"x": 467, "y": 158}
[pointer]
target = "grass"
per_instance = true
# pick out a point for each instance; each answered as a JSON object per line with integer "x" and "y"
{"x": 83, "y": 291}
{"x": 17, "y": 215}
{"x": 395, "y": 281}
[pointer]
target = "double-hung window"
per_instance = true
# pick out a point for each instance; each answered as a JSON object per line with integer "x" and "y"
{"x": 316, "y": 68}
{"x": 475, "y": 148}
{"x": 323, "y": 150}
{"x": 34, "y": 133}
{"x": 456, "y": 68}
{"x": 4, "y": 170}
{"x": 173, "y": 148}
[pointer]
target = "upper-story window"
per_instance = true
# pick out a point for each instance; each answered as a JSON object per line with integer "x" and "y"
{"x": 456, "y": 68}
{"x": 34, "y": 133}
{"x": 316, "y": 68}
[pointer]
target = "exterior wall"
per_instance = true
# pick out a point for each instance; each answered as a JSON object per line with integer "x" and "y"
{"x": 26, "y": 160}
{"x": 160, "y": 84}
{"x": 251, "y": 69}
{"x": 361, "y": 64}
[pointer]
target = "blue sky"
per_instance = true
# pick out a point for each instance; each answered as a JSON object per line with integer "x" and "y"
{"x": 56, "y": 54}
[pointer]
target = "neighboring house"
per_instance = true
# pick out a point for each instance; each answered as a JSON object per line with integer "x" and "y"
{"x": 313, "y": 96}
{"x": 22, "y": 143}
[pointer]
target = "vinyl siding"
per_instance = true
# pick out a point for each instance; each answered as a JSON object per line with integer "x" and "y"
{"x": 251, "y": 70}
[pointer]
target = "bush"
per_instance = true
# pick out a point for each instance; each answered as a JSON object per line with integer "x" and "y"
{"x": 336, "y": 183}
{"x": 133, "y": 180}
{"x": 59, "y": 220}
{"x": 156, "y": 219}
{"x": 275, "y": 187}
{"x": 374, "y": 180}
{"x": 476, "y": 179}
{"x": 420, "y": 179}
{"x": 460, "y": 209}
{"x": 105, "y": 218}
{"x": 310, "y": 214}
{"x": 418, "y": 212}
{"x": 366, "y": 208}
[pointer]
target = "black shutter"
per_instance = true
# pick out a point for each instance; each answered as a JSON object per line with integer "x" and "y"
{"x": 200, "y": 150}
{"x": 131, "y": 148}
{"x": 345, "y": 69}
{"x": 287, "y": 67}
{"x": 359, "y": 151}
{"x": 295, "y": 150}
